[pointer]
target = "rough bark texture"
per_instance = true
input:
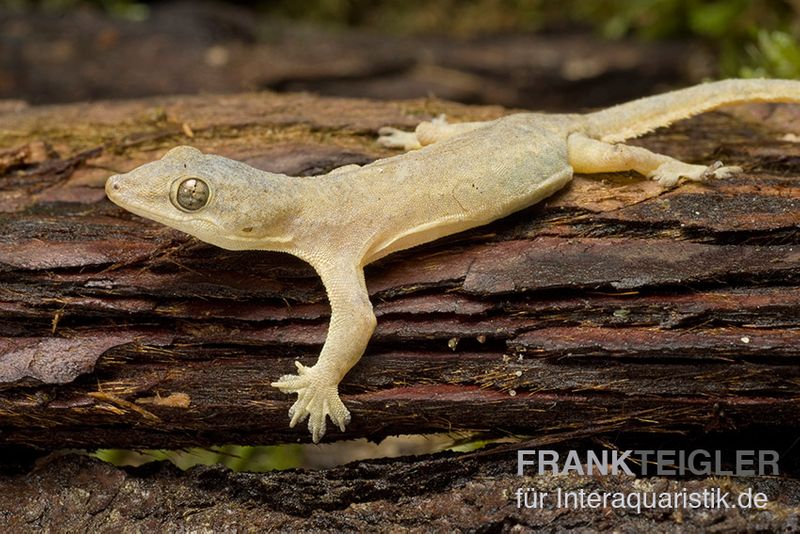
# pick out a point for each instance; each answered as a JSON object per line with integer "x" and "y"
{"x": 440, "y": 494}
{"x": 613, "y": 312}
{"x": 615, "y": 304}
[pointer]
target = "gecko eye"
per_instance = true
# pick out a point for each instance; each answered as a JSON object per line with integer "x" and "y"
{"x": 192, "y": 194}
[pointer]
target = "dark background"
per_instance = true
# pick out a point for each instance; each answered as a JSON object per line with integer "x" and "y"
{"x": 517, "y": 53}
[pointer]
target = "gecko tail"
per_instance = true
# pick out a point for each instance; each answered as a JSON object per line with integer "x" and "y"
{"x": 632, "y": 119}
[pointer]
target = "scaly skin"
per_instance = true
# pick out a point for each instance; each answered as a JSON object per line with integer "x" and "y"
{"x": 456, "y": 177}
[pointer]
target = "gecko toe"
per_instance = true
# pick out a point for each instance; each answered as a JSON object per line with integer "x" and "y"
{"x": 297, "y": 413}
{"x": 316, "y": 425}
{"x": 727, "y": 172}
{"x": 338, "y": 412}
{"x": 393, "y": 138}
{"x": 717, "y": 171}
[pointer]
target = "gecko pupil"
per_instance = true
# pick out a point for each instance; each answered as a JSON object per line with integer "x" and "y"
{"x": 192, "y": 194}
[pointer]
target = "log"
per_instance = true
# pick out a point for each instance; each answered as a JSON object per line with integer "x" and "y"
{"x": 442, "y": 493}
{"x": 614, "y": 306}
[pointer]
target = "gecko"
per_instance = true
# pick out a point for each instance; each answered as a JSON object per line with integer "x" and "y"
{"x": 453, "y": 177}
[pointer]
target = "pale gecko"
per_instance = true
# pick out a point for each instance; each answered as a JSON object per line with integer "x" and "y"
{"x": 456, "y": 176}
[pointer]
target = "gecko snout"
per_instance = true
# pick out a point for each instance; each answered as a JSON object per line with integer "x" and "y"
{"x": 113, "y": 184}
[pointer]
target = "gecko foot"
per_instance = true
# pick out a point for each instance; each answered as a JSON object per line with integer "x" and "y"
{"x": 316, "y": 400}
{"x": 394, "y": 138}
{"x": 668, "y": 174}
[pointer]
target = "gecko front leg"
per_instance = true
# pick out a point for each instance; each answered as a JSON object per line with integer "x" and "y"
{"x": 351, "y": 325}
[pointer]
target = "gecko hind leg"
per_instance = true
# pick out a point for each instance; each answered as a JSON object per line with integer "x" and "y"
{"x": 587, "y": 156}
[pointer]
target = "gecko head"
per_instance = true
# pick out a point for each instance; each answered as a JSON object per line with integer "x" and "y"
{"x": 218, "y": 200}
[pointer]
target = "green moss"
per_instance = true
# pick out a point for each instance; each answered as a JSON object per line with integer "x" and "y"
{"x": 773, "y": 54}
{"x": 237, "y": 458}
{"x": 749, "y": 38}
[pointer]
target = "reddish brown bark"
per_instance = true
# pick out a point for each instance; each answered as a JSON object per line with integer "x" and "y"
{"x": 614, "y": 303}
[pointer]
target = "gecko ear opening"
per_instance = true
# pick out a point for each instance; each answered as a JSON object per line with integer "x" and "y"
{"x": 183, "y": 152}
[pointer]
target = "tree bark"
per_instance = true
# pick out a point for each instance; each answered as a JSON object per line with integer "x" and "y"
{"x": 615, "y": 306}
{"x": 442, "y": 493}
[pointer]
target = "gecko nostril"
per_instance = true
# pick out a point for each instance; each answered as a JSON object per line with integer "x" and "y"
{"x": 113, "y": 183}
